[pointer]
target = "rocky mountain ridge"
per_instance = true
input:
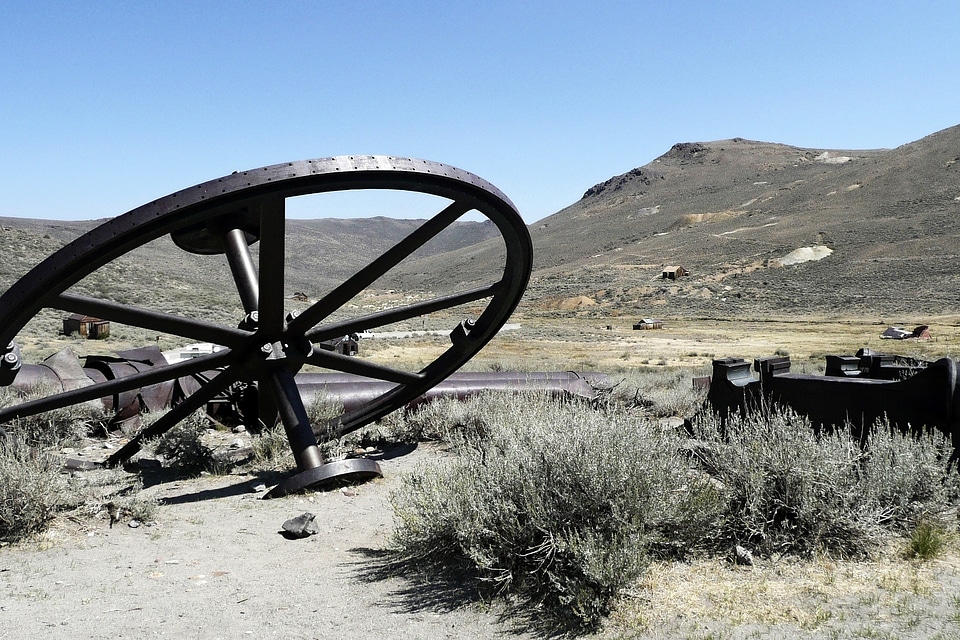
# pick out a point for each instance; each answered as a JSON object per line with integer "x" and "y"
{"x": 884, "y": 223}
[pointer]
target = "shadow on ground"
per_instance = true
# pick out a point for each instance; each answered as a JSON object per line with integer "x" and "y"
{"x": 437, "y": 587}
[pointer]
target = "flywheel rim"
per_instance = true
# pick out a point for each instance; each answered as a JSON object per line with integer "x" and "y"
{"x": 47, "y": 284}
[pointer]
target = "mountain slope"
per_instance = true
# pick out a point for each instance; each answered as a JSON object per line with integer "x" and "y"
{"x": 730, "y": 211}
{"x": 321, "y": 253}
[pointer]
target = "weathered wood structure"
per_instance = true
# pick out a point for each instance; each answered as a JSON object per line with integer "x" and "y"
{"x": 648, "y": 323}
{"x": 86, "y": 326}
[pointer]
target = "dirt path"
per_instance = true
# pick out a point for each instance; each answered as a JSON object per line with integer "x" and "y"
{"x": 215, "y": 565}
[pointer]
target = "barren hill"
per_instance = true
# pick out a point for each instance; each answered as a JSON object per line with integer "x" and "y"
{"x": 320, "y": 253}
{"x": 734, "y": 213}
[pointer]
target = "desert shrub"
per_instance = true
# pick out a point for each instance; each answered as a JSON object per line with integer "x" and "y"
{"x": 927, "y": 540}
{"x": 437, "y": 420}
{"x": 792, "y": 490}
{"x": 660, "y": 392}
{"x": 787, "y": 490}
{"x": 906, "y": 477}
{"x": 182, "y": 446}
{"x": 550, "y": 504}
{"x": 32, "y": 492}
{"x": 324, "y": 413}
{"x": 324, "y": 408}
{"x": 138, "y": 506}
{"x": 559, "y": 506}
{"x": 51, "y": 429}
{"x": 96, "y": 490}
{"x": 271, "y": 449}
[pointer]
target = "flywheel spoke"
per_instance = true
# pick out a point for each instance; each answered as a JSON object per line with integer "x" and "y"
{"x": 170, "y": 419}
{"x": 154, "y": 375}
{"x": 272, "y": 239}
{"x": 296, "y": 422}
{"x": 241, "y": 266}
{"x": 348, "y": 364}
{"x": 153, "y": 320}
{"x": 406, "y": 312}
{"x": 373, "y": 271}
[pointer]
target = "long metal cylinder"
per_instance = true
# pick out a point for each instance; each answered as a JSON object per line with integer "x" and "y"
{"x": 356, "y": 392}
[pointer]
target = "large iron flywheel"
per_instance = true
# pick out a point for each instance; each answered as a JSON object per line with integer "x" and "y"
{"x": 267, "y": 344}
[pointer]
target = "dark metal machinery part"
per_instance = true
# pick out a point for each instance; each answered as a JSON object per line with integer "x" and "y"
{"x": 63, "y": 370}
{"x": 240, "y": 404}
{"x": 269, "y": 346}
{"x": 855, "y": 396}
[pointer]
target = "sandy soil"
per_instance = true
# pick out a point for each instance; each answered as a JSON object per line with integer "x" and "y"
{"x": 215, "y": 565}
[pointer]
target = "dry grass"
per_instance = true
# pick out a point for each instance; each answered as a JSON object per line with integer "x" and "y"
{"x": 592, "y": 339}
{"x": 548, "y": 342}
{"x": 887, "y": 597}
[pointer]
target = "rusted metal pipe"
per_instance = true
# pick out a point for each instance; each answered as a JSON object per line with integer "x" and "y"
{"x": 355, "y": 392}
{"x": 242, "y": 404}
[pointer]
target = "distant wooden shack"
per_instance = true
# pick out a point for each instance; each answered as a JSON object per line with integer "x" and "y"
{"x": 346, "y": 346}
{"x": 87, "y": 326}
{"x": 648, "y": 323}
{"x": 672, "y": 273}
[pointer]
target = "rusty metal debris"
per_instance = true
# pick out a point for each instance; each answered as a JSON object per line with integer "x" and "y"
{"x": 239, "y": 404}
{"x": 910, "y": 394}
{"x": 268, "y": 346}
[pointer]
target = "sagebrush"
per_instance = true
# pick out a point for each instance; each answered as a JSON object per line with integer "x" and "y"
{"x": 546, "y": 503}
{"x": 32, "y": 491}
{"x": 183, "y": 448}
{"x": 55, "y": 428}
{"x": 559, "y": 506}
{"x": 792, "y": 490}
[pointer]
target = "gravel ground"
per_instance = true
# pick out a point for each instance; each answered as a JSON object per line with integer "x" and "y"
{"x": 215, "y": 565}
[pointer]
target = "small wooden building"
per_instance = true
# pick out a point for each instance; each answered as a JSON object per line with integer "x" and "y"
{"x": 648, "y": 323}
{"x": 672, "y": 273}
{"x": 346, "y": 346}
{"x": 87, "y": 326}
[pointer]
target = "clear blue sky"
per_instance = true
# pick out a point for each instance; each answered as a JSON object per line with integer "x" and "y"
{"x": 107, "y": 105}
